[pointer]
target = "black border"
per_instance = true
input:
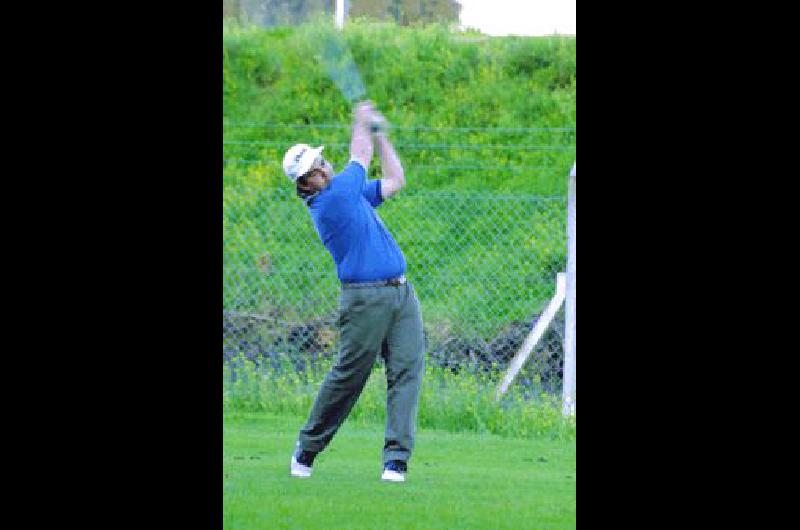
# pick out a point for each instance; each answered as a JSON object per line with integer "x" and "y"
{"x": 131, "y": 382}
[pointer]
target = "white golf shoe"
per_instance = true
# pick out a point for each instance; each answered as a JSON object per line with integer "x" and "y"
{"x": 301, "y": 463}
{"x": 394, "y": 471}
{"x": 299, "y": 470}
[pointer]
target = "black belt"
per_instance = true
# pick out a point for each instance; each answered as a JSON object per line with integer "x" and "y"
{"x": 394, "y": 282}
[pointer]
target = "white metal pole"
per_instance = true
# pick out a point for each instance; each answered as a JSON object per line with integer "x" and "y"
{"x": 340, "y": 14}
{"x": 569, "y": 306}
{"x": 533, "y": 337}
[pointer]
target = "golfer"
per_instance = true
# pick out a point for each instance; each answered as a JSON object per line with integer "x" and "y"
{"x": 378, "y": 309}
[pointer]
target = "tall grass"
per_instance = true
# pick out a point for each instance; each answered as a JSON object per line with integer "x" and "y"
{"x": 462, "y": 402}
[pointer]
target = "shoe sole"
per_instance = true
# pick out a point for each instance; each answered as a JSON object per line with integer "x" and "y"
{"x": 296, "y": 469}
{"x": 393, "y": 476}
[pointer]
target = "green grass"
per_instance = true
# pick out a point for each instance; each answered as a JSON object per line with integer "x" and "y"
{"x": 451, "y": 402}
{"x": 454, "y": 480}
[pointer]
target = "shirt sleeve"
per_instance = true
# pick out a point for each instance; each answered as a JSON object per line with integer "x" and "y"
{"x": 372, "y": 192}
{"x": 352, "y": 180}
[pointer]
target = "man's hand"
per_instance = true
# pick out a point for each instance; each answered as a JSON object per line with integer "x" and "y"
{"x": 378, "y": 123}
{"x": 364, "y": 111}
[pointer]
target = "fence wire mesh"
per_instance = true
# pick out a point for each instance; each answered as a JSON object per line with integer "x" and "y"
{"x": 483, "y": 264}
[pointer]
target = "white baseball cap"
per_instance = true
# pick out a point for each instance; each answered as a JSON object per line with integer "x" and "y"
{"x": 298, "y": 160}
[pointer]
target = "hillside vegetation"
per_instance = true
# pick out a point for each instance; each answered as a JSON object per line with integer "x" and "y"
{"x": 453, "y": 99}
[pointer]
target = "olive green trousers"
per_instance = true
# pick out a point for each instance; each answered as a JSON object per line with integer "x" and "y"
{"x": 383, "y": 320}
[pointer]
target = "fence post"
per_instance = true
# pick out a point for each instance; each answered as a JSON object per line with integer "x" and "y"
{"x": 340, "y": 14}
{"x": 533, "y": 337}
{"x": 569, "y": 309}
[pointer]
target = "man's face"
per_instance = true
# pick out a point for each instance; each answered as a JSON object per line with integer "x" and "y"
{"x": 319, "y": 176}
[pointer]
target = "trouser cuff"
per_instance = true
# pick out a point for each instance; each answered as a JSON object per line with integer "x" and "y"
{"x": 403, "y": 456}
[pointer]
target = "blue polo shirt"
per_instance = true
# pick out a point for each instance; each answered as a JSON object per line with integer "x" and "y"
{"x": 345, "y": 219}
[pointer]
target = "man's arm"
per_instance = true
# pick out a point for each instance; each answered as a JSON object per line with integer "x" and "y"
{"x": 393, "y": 176}
{"x": 361, "y": 142}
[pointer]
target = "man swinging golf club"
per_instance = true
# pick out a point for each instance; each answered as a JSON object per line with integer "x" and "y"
{"x": 378, "y": 310}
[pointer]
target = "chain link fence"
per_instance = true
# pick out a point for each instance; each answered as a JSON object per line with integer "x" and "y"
{"x": 483, "y": 264}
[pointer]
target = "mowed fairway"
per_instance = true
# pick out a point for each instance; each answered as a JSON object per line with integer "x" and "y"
{"x": 459, "y": 481}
